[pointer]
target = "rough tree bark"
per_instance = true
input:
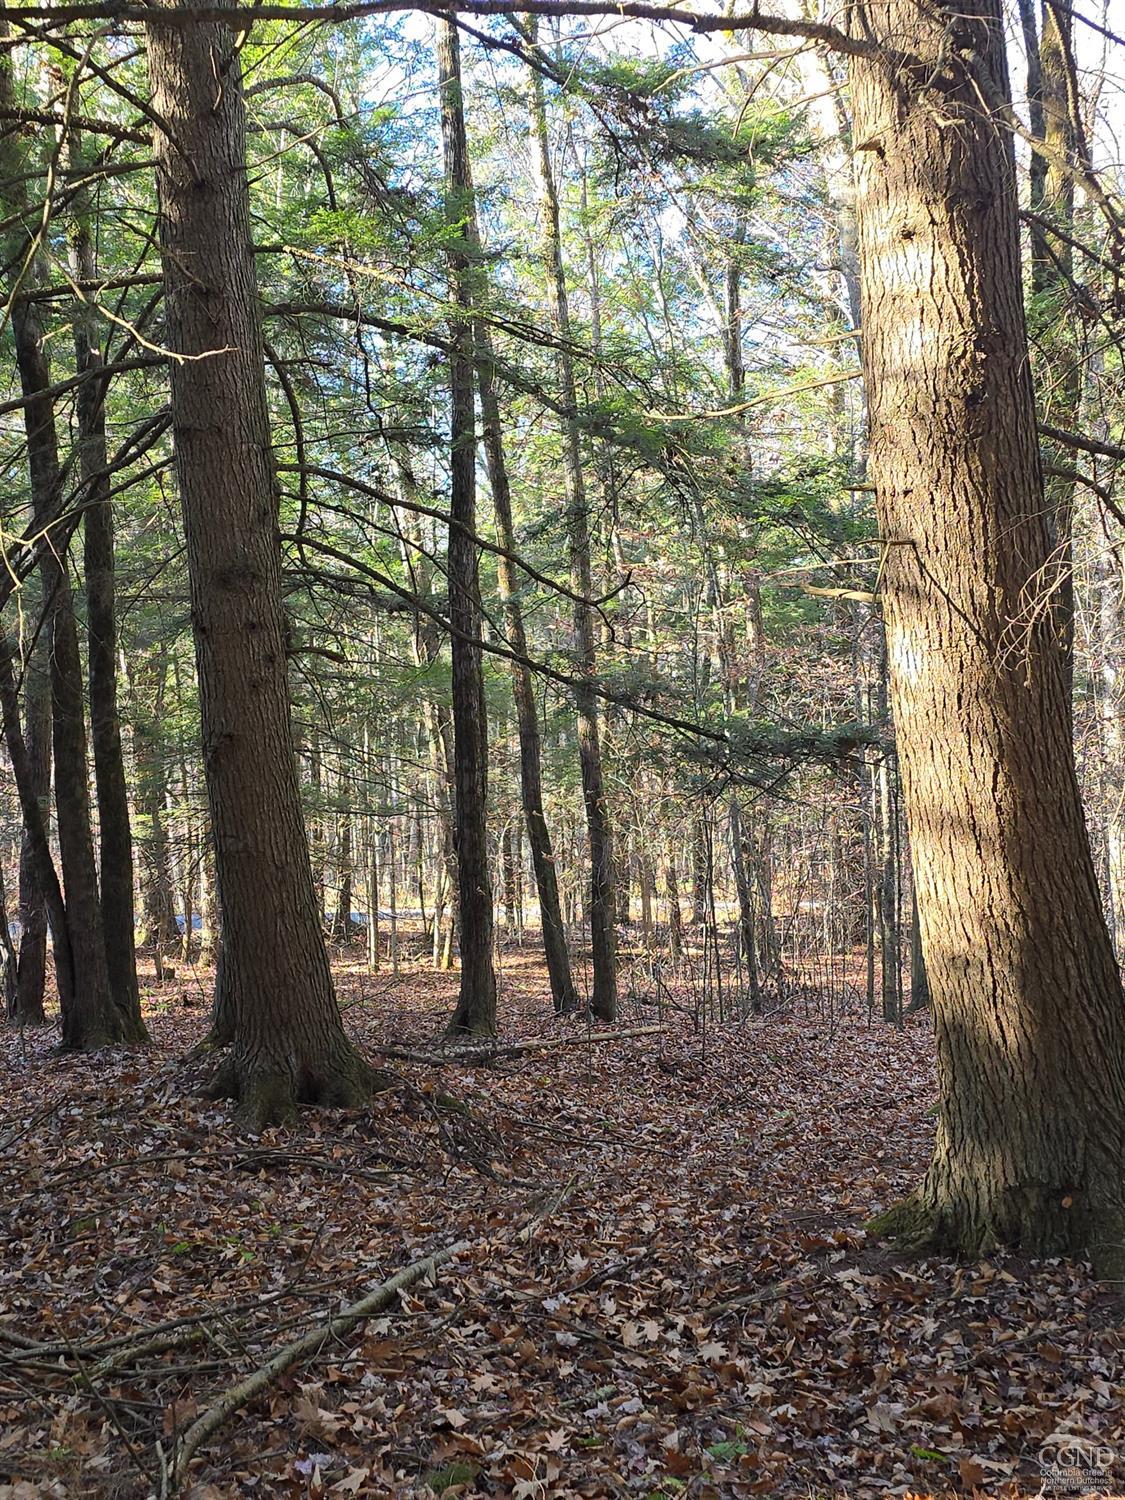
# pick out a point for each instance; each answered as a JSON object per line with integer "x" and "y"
{"x": 289, "y": 1044}
{"x": 476, "y": 1004}
{"x": 1026, "y": 995}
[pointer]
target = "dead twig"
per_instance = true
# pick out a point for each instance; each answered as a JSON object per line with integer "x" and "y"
{"x": 173, "y": 1469}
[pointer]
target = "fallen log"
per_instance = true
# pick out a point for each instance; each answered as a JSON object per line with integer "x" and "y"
{"x": 174, "y": 1468}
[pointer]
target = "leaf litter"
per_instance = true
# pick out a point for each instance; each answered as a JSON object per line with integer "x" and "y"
{"x": 668, "y": 1290}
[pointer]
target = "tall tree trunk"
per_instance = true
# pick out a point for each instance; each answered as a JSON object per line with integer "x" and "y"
{"x": 890, "y": 948}
{"x": 342, "y": 929}
{"x": 476, "y": 1004}
{"x": 289, "y": 1044}
{"x": 116, "y": 839}
{"x": 90, "y": 1020}
{"x": 208, "y": 914}
{"x": 557, "y": 956}
{"x": 36, "y": 843}
{"x": 884, "y": 823}
{"x": 318, "y": 827}
{"x": 769, "y": 948}
{"x": 747, "y": 925}
{"x": 919, "y": 982}
{"x": 603, "y": 997}
{"x": 436, "y": 720}
{"x": 31, "y": 966}
{"x": 646, "y": 881}
{"x": 1109, "y": 581}
{"x": 675, "y": 916}
{"x": 1027, "y": 999}
{"x": 158, "y": 898}
{"x": 1052, "y": 312}
{"x": 508, "y": 878}
{"x": 556, "y": 953}
{"x": 698, "y": 870}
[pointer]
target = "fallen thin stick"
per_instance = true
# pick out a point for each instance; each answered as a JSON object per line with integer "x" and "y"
{"x": 491, "y": 1054}
{"x": 548, "y": 1207}
{"x": 36, "y": 1119}
{"x": 238, "y": 1396}
{"x": 254, "y": 1158}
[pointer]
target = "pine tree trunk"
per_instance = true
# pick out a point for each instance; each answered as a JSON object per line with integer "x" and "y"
{"x": 646, "y": 880}
{"x": 603, "y": 939}
{"x": 556, "y": 953}
{"x": 1109, "y": 582}
{"x": 438, "y": 727}
{"x": 31, "y": 966}
{"x": 158, "y": 897}
{"x": 289, "y": 1044}
{"x": 342, "y": 929}
{"x": 188, "y": 880}
{"x": 919, "y": 983}
{"x": 508, "y": 879}
{"x": 887, "y": 890}
{"x": 1026, "y": 995}
{"x": 476, "y": 1004}
{"x": 698, "y": 871}
{"x": 116, "y": 839}
{"x": 208, "y": 914}
{"x": 675, "y": 916}
{"x": 623, "y": 885}
{"x": 747, "y": 925}
{"x": 36, "y": 842}
{"x": 90, "y": 1020}
{"x": 557, "y": 956}
{"x": 1053, "y": 312}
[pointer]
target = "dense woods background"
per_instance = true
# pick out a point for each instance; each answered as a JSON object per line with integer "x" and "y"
{"x": 621, "y": 510}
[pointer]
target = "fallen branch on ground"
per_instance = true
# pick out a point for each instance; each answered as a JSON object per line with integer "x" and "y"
{"x": 493, "y": 1054}
{"x": 237, "y": 1396}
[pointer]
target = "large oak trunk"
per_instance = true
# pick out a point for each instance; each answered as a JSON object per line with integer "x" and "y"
{"x": 288, "y": 1040}
{"x": 1026, "y": 995}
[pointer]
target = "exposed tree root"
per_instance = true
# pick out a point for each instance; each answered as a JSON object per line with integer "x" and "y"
{"x": 96, "y": 1040}
{"x": 461, "y": 1028}
{"x": 268, "y": 1090}
{"x": 909, "y": 1224}
{"x": 1040, "y": 1221}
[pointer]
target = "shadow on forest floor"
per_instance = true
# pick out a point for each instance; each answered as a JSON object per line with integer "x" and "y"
{"x": 691, "y": 1309}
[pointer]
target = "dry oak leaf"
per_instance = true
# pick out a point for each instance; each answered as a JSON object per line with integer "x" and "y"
{"x": 352, "y": 1482}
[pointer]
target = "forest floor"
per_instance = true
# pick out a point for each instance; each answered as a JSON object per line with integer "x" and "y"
{"x": 668, "y": 1291}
